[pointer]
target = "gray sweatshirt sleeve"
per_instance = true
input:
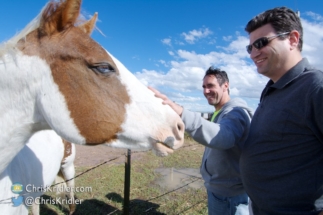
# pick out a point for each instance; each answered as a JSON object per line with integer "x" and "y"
{"x": 231, "y": 129}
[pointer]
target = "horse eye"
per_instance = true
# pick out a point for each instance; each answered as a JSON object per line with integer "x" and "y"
{"x": 103, "y": 68}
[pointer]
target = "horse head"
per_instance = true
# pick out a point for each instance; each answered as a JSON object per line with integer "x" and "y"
{"x": 57, "y": 76}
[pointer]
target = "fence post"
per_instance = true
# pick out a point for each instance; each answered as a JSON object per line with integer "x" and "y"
{"x": 126, "y": 198}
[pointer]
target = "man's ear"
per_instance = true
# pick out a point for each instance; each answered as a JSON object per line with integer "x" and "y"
{"x": 294, "y": 39}
{"x": 225, "y": 86}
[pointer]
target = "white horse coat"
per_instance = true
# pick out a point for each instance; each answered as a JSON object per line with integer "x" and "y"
{"x": 35, "y": 166}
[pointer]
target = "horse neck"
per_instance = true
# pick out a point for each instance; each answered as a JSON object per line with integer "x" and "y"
{"x": 18, "y": 118}
{"x": 30, "y": 100}
{"x": 36, "y": 165}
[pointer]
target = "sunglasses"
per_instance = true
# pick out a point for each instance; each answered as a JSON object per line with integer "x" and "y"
{"x": 262, "y": 42}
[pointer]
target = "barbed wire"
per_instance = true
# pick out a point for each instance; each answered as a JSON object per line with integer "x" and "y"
{"x": 110, "y": 160}
{"x": 182, "y": 147}
{"x": 164, "y": 194}
{"x": 88, "y": 170}
{"x": 2, "y": 201}
{"x": 124, "y": 154}
{"x": 171, "y": 191}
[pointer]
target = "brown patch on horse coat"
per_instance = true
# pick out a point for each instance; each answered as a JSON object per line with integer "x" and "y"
{"x": 96, "y": 101}
{"x": 67, "y": 149}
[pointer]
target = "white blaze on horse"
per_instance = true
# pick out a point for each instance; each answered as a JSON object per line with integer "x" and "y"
{"x": 36, "y": 167}
{"x": 53, "y": 75}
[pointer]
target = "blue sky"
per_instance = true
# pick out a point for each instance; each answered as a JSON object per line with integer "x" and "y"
{"x": 168, "y": 44}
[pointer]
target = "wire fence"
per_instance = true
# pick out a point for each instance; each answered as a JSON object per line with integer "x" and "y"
{"x": 5, "y": 201}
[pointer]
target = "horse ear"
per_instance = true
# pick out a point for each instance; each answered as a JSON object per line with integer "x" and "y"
{"x": 70, "y": 13}
{"x": 58, "y": 16}
{"x": 88, "y": 26}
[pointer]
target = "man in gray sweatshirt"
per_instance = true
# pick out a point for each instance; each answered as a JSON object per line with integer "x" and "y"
{"x": 223, "y": 137}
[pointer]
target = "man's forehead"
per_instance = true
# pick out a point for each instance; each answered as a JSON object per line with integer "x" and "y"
{"x": 263, "y": 31}
{"x": 210, "y": 79}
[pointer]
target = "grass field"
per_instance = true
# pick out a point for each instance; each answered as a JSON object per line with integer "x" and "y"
{"x": 147, "y": 196}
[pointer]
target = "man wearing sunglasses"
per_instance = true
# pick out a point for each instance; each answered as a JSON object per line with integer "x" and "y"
{"x": 223, "y": 137}
{"x": 282, "y": 161}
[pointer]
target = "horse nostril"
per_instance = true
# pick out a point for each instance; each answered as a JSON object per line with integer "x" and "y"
{"x": 179, "y": 127}
{"x": 179, "y": 132}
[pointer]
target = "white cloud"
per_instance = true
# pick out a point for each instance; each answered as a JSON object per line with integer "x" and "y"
{"x": 171, "y": 53}
{"x": 227, "y": 38}
{"x": 186, "y": 73}
{"x": 182, "y": 81}
{"x": 194, "y": 35}
{"x": 136, "y": 57}
{"x": 167, "y": 41}
{"x": 313, "y": 40}
{"x": 314, "y": 16}
{"x": 212, "y": 41}
{"x": 164, "y": 63}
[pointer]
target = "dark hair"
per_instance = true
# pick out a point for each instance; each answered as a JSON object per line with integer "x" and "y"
{"x": 282, "y": 19}
{"x": 220, "y": 75}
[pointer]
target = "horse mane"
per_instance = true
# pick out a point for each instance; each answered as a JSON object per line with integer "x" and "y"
{"x": 49, "y": 9}
{"x": 9, "y": 46}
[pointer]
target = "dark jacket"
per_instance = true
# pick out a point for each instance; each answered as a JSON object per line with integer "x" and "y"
{"x": 282, "y": 163}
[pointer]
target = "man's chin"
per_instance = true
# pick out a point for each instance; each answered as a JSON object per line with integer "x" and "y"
{"x": 211, "y": 103}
